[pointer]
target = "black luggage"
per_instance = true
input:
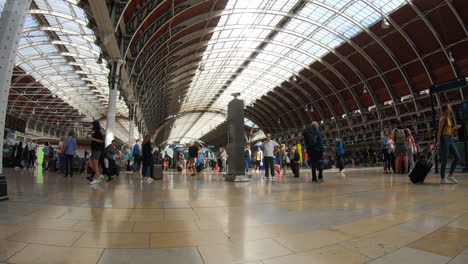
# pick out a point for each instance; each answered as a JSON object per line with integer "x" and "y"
{"x": 157, "y": 172}
{"x": 53, "y": 164}
{"x": 422, "y": 168}
{"x": 179, "y": 168}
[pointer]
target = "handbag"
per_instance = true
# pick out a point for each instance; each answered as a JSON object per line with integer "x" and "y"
{"x": 261, "y": 163}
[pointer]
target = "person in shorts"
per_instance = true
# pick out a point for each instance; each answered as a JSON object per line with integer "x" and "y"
{"x": 401, "y": 150}
{"x": 97, "y": 148}
{"x": 193, "y": 153}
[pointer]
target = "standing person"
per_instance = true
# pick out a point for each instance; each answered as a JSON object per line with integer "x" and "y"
{"x": 283, "y": 157}
{"x": 46, "y": 151}
{"x": 110, "y": 151}
{"x": 268, "y": 148}
{"x": 25, "y": 156}
{"x": 137, "y": 157}
{"x": 32, "y": 154}
{"x": 248, "y": 157}
{"x": 61, "y": 156}
{"x": 447, "y": 146}
{"x": 386, "y": 151}
{"x": 223, "y": 156}
{"x": 339, "y": 149}
{"x": 296, "y": 158}
{"x": 412, "y": 149}
{"x": 314, "y": 145}
{"x": 147, "y": 158}
{"x": 70, "y": 150}
{"x": 401, "y": 150}
{"x": 200, "y": 160}
{"x": 212, "y": 158}
{"x": 193, "y": 152}
{"x": 19, "y": 152}
{"x": 128, "y": 157}
{"x": 258, "y": 159}
{"x": 97, "y": 148}
{"x": 391, "y": 151}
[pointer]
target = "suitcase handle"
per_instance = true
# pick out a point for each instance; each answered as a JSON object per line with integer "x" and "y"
{"x": 434, "y": 154}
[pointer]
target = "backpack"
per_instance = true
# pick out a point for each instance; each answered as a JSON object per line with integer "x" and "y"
{"x": 246, "y": 153}
{"x": 400, "y": 136}
{"x": 310, "y": 137}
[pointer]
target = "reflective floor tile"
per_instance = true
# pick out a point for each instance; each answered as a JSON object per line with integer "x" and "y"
{"x": 461, "y": 258}
{"x": 103, "y": 226}
{"x": 381, "y": 243}
{"x": 188, "y": 239}
{"x": 427, "y": 206}
{"x": 187, "y": 255}
{"x": 78, "y": 213}
{"x": 242, "y": 252}
{"x": 426, "y": 223}
{"x": 40, "y": 254}
{"x": 146, "y": 215}
{"x": 165, "y": 227}
{"x": 410, "y": 255}
{"x": 179, "y": 214}
{"x": 46, "y": 236}
{"x": 52, "y": 211}
{"x": 312, "y": 240}
{"x": 258, "y": 232}
{"x": 8, "y": 248}
{"x": 447, "y": 241}
{"x": 8, "y": 230}
{"x": 176, "y": 204}
{"x": 114, "y": 240}
{"x": 327, "y": 255}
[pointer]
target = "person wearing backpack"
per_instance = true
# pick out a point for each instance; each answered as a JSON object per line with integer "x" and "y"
{"x": 401, "y": 150}
{"x": 314, "y": 145}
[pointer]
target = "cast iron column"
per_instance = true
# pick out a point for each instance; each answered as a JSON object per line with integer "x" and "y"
{"x": 114, "y": 80}
{"x": 131, "y": 130}
{"x": 11, "y": 27}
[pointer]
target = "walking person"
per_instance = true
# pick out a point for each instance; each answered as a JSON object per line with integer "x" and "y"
{"x": 401, "y": 150}
{"x": 314, "y": 145}
{"x": 258, "y": 159}
{"x": 128, "y": 157}
{"x": 97, "y": 148}
{"x": 193, "y": 153}
{"x": 46, "y": 151}
{"x": 61, "y": 156}
{"x": 70, "y": 150}
{"x": 111, "y": 151}
{"x": 137, "y": 158}
{"x": 32, "y": 154}
{"x": 446, "y": 144}
{"x": 268, "y": 147}
{"x": 339, "y": 149}
{"x": 412, "y": 149}
{"x": 386, "y": 151}
{"x": 296, "y": 158}
{"x": 283, "y": 158}
{"x": 248, "y": 157}
{"x": 147, "y": 158}
{"x": 223, "y": 156}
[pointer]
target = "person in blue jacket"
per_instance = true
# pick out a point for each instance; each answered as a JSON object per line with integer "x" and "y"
{"x": 314, "y": 145}
{"x": 339, "y": 149}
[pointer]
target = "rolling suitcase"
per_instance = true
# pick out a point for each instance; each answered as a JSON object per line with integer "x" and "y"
{"x": 53, "y": 164}
{"x": 422, "y": 168}
{"x": 157, "y": 172}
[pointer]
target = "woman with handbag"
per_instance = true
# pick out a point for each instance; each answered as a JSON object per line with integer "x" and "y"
{"x": 444, "y": 138}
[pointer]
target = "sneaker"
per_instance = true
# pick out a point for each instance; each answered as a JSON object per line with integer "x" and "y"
{"x": 94, "y": 182}
{"x": 110, "y": 179}
{"x": 342, "y": 174}
{"x": 89, "y": 178}
{"x": 149, "y": 180}
{"x": 452, "y": 179}
{"x": 343, "y": 170}
{"x": 101, "y": 178}
{"x": 320, "y": 180}
{"x": 445, "y": 181}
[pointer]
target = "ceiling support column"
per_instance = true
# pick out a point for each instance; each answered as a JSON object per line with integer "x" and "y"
{"x": 131, "y": 129}
{"x": 11, "y": 27}
{"x": 114, "y": 81}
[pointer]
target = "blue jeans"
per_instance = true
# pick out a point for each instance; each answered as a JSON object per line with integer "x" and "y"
{"x": 447, "y": 146}
{"x": 247, "y": 164}
{"x": 146, "y": 171}
{"x": 61, "y": 162}
{"x": 136, "y": 166}
{"x": 69, "y": 165}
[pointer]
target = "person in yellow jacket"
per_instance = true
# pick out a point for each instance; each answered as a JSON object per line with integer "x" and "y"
{"x": 295, "y": 162}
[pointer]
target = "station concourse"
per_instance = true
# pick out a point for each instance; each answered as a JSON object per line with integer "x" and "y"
{"x": 183, "y": 105}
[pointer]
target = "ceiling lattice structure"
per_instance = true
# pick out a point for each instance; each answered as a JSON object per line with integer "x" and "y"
{"x": 60, "y": 78}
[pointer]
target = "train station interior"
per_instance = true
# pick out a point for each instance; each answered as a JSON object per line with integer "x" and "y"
{"x": 189, "y": 131}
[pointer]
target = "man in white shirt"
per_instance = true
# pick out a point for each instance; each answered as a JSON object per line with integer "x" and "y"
{"x": 268, "y": 152}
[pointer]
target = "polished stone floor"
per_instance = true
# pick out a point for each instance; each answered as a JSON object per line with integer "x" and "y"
{"x": 363, "y": 217}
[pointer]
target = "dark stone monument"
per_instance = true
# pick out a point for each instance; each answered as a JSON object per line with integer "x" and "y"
{"x": 236, "y": 141}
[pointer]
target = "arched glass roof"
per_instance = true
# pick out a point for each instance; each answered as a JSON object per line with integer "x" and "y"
{"x": 257, "y": 45}
{"x": 58, "y": 50}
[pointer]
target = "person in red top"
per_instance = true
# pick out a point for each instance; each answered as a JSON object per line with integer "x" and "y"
{"x": 306, "y": 158}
